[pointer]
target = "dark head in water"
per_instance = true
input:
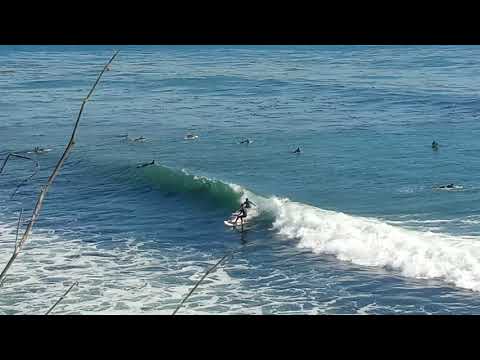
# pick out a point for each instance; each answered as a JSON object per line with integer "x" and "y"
{"x": 297, "y": 151}
{"x": 434, "y": 145}
{"x": 146, "y": 164}
{"x": 39, "y": 150}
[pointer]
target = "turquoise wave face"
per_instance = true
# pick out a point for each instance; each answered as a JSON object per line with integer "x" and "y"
{"x": 180, "y": 182}
{"x": 364, "y": 230}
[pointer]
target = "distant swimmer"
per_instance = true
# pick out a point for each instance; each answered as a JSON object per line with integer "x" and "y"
{"x": 140, "y": 139}
{"x": 246, "y": 141}
{"x": 191, "y": 136}
{"x": 146, "y": 164}
{"x": 297, "y": 151}
{"x": 434, "y": 145}
{"x": 40, "y": 150}
{"x": 450, "y": 187}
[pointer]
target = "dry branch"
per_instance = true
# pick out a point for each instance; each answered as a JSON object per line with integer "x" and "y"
{"x": 223, "y": 259}
{"x": 18, "y": 228}
{"x": 16, "y": 239}
{"x": 61, "y": 298}
{"x": 37, "y": 166}
{"x": 14, "y": 155}
{"x": 200, "y": 281}
{"x": 45, "y": 188}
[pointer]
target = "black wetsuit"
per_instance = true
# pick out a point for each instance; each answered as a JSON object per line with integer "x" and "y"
{"x": 248, "y": 204}
{"x": 147, "y": 164}
{"x": 449, "y": 186}
{"x": 242, "y": 214}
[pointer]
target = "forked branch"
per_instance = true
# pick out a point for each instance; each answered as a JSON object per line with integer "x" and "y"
{"x": 56, "y": 170}
{"x": 11, "y": 155}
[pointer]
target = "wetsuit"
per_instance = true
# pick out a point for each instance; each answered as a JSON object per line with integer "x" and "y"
{"x": 242, "y": 215}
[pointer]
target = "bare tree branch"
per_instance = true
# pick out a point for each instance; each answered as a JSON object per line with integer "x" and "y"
{"x": 61, "y": 298}
{"x": 37, "y": 166}
{"x": 200, "y": 281}
{"x": 45, "y": 188}
{"x": 219, "y": 262}
{"x": 14, "y": 155}
{"x": 16, "y": 240}
{"x": 18, "y": 227}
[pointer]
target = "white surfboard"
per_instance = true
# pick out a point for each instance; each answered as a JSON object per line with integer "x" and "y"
{"x": 231, "y": 223}
{"x": 454, "y": 188}
{"x": 191, "y": 137}
{"x": 39, "y": 151}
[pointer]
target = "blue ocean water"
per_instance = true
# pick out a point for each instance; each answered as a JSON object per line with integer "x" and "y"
{"x": 352, "y": 225}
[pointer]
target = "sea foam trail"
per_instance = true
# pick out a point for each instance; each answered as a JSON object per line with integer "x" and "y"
{"x": 363, "y": 241}
{"x": 127, "y": 279}
{"x": 371, "y": 242}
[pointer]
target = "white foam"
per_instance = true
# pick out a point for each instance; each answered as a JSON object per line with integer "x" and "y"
{"x": 129, "y": 279}
{"x": 371, "y": 242}
{"x": 122, "y": 280}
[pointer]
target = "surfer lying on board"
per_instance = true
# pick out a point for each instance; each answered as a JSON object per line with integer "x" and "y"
{"x": 146, "y": 164}
{"x": 40, "y": 150}
{"x": 450, "y": 187}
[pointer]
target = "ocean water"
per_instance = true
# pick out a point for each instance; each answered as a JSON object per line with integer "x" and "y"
{"x": 353, "y": 225}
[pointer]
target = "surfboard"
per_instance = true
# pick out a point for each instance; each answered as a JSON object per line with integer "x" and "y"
{"x": 40, "y": 151}
{"x": 455, "y": 187}
{"x": 232, "y": 224}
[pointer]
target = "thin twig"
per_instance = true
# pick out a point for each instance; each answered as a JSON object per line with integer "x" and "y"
{"x": 16, "y": 240}
{"x": 14, "y": 155}
{"x": 61, "y": 298}
{"x": 18, "y": 227}
{"x": 25, "y": 180}
{"x": 200, "y": 281}
{"x": 37, "y": 166}
{"x": 45, "y": 188}
{"x": 225, "y": 257}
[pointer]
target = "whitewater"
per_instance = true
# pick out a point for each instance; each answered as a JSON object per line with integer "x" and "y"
{"x": 354, "y": 224}
{"x": 360, "y": 240}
